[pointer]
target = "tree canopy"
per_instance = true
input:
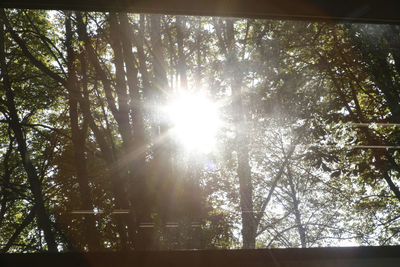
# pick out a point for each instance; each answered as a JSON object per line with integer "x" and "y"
{"x": 128, "y": 131}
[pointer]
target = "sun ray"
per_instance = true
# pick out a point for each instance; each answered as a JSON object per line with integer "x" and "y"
{"x": 194, "y": 120}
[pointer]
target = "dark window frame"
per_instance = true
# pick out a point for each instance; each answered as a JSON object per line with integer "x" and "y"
{"x": 327, "y": 10}
{"x": 366, "y": 11}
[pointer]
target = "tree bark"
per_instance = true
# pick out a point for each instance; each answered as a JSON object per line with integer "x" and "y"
{"x": 138, "y": 184}
{"x": 249, "y": 227}
{"x": 118, "y": 176}
{"x": 161, "y": 164}
{"x": 33, "y": 179}
{"x": 180, "y": 27}
{"x": 78, "y": 137}
{"x": 297, "y": 214}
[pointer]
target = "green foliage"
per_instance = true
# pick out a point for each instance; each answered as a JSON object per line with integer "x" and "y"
{"x": 317, "y": 125}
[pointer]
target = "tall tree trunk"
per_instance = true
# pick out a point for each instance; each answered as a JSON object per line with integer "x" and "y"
{"x": 118, "y": 174}
{"x": 297, "y": 214}
{"x": 138, "y": 186}
{"x": 35, "y": 184}
{"x": 161, "y": 164}
{"x": 143, "y": 68}
{"x": 198, "y": 74}
{"x": 112, "y": 167}
{"x": 123, "y": 110}
{"x": 160, "y": 76}
{"x": 5, "y": 190}
{"x": 249, "y": 227}
{"x": 180, "y": 30}
{"x": 79, "y": 139}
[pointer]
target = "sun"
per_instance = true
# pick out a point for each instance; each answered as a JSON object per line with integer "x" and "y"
{"x": 194, "y": 121}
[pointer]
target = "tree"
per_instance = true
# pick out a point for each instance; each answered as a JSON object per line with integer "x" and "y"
{"x": 89, "y": 161}
{"x": 9, "y": 110}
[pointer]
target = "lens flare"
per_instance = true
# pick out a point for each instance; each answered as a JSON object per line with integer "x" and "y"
{"x": 195, "y": 121}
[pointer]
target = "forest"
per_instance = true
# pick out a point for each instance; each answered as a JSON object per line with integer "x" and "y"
{"x": 122, "y": 131}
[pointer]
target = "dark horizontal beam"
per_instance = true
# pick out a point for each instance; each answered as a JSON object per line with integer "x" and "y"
{"x": 356, "y": 256}
{"x": 339, "y": 10}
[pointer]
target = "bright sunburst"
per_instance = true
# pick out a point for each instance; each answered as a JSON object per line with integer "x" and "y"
{"x": 194, "y": 120}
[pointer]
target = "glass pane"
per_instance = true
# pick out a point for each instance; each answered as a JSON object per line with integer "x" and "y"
{"x": 158, "y": 132}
